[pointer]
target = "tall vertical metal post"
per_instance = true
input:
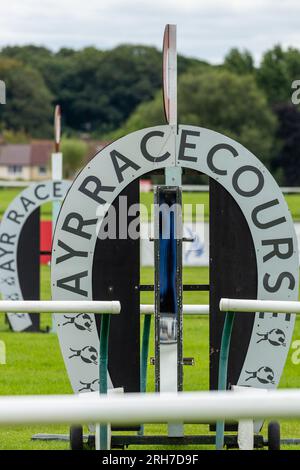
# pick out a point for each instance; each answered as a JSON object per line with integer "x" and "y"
{"x": 56, "y": 173}
{"x": 168, "y": 313}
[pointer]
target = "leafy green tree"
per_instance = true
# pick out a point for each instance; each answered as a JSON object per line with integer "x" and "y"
{"x": 98, "y": 90}
{"x": 28, "y": 101}
{"x": 219, "y": 100}
{"x": 288, "y": 157}
{"x": 74, "y": 152}
{"x": 231, "y": 104}
{"x": 29, "y": 54}
{"x": 17, "y": 137}
{"x": 239, "y": 62}
{"x": 146, "y": 115}
{"x": 52, "y": 66}
{"x": 276, "y": 73}
{"x": 77, "y": 90}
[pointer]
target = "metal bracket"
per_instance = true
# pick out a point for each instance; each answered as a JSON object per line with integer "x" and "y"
{"x": 186, "y": 287}
{"x": 184, "y": 239}
{"x": 186, "y": 361}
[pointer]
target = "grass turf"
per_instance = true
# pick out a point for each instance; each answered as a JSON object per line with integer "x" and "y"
{"x": 34, "y": 366}
{"x": 8, "y": 194}
{"x": 293, "y": 201}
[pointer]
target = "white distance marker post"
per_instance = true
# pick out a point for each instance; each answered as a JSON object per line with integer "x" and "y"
{"x": 134, "y": 408}
{"x": 169, "y": 353}
{"x": 61, "y": 306}
{"x": 172, "y": 175}
{"x": 56, "y": 161}
{"x": 170, "y": 74}
{"x": 57, "y": 170}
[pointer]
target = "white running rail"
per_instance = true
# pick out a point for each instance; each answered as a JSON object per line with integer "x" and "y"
{"x": 273, "y": 306}
{"x": 192, "y": 309}
{"x": 118, "y": 409}
{"x": 88, "y": 306}
{"x": 60, "y": 306}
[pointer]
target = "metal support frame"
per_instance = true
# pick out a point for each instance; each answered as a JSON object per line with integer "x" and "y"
{"x": 185, "y": 287}
{"x": 168, "y": 350}
{"x": 103, "y": 362}
{"x": 230, "y": 441}
{"x": 145, "y": 352}
{"x": 223, "y": 367}
{"x": 144, "y": 358}
{"x": 172, "y": 320}
{"x": 57, "y": 175}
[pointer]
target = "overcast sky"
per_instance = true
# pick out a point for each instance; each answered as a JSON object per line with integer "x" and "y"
{"x": 206, "y": 28}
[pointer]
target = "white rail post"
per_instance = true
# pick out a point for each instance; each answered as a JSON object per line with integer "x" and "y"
{"x": 173, "y": 177}
{"x": 188, "y": 309}
{"x": 57, "y": 173}
{"x": 61, "y": 306}
{"x": 132, "y": 409}
{"x": 248, "y": 305}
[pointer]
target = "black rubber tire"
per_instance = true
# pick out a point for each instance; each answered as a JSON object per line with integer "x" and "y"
{"x": 274, "y": 435}
{"x": 76, "y": 437}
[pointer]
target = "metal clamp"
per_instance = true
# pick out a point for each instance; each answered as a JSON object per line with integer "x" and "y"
{"x": 186, "y": 361}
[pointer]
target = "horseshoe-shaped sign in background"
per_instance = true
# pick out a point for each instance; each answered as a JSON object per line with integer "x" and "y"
{"x": 12, "y": 224}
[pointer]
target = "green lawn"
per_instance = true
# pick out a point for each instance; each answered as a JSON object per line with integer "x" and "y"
{"x": 293, "y": 201}
{"x": 8, "y": 194}
{"x": 34, "y": 366}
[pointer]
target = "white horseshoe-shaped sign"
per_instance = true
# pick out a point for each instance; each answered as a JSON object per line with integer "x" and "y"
{"x": 11, "y": 226}
{"x": 240, "y": 173}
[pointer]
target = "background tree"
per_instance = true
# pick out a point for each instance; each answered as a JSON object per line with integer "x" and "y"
{"x": 98, "y": 90}
{"x": 17, "y": 137}
{"x": 74, "y": 151}
{"x": 219, "y": 100}
{"x": 276, "y": 73}
{"x": 28, "y": 100}
{"x": 240, "y": 62}
{"x": 146, "y": 115}
{"x": 230, "y": 104}
{"x": 105, "y": 94}
{"x": 288, "y": 158}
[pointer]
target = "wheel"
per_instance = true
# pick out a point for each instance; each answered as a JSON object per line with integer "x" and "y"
{"x": 76, "y": 437}
{"x": 274, "y": 436}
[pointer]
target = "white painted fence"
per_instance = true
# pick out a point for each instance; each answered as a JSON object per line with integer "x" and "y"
{"x": 196, "y": 407}
{"x": 273, "y": 306}
{"x": 60, "y": 306}
{"x": 192, "y": 309}
{"x": 86, "y": 306}
{"x": 130, "y": 409}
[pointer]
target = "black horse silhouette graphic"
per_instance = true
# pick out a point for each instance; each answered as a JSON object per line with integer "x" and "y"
{"x": 276, "y": 337}
{"x": 90, "y": 386}
{"x": 264, "y": 375}
{"x": 82, "y": 321}
{"x": 10, "y": 281}
{"x": 88, "y": 354}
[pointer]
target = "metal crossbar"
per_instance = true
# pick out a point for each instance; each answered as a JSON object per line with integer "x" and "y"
{"x": 60, "y": 306}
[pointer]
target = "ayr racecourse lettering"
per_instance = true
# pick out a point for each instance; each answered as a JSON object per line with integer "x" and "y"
{"x": 11, "y": 227}
{"x": 219, "y": 157}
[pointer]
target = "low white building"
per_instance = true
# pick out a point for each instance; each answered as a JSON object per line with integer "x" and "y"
{"x": 28, "y": 162}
